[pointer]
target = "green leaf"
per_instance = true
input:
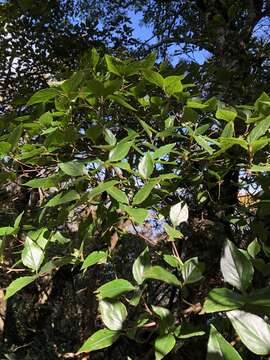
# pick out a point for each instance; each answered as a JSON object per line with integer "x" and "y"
{"x": 121, "y": 100}
{"x": 61, "y": 198}
{"x": 137, "y": 214}
{"x": 154, "y": 77}
{"x": 32, "y": 254}
{"x": 222, "y": 299}
{"x": 146, "y": 166}
{"x": 120, "y": 151}
{"x": 172, "y": 232}
{"x": 173, "y": 85}
{"x": 43, "y": 96}
{"x": 4, "y": 147}
{"x": 254, "y": 248}
{"x": 163, "y": 345}
{"x": 7, "y": 230}
{"x": 118, "y": 195}
{"x": 104, "y": 186}
{"x": 15, "y": 136}
{"x": 148, "y": 61}
{"x": 226, "y": 114}
{"x": 109, "y": 137}
{"x": 196, "y": 104}
{"x": 186, "y": 331}
{"x": 18, "y": 220}
{"x": 166, "y": 321}
{"x": 114, "y": 288}
{"x": 260, "y": 168}
{"x": 73, "y": 168}
{"x": 219, "y": 349}
{"x": 96, "y": 257}
{"x": 43, "y": 183}
{"x": 258, "y": 301}
{"x": 18, "y": 284}
{"x": 192, "y": 270}
{"x": 203, "y": 143}
{"x": 163, "y": 150}
{"x": 140, "y": 265}
{"x": 144, "y": 192}
{"x": 72, "y": 84}
{"x": 159, "y": 273}
{"x": 114, "y": 65}
{"x": 173, "y": 261}
{"x": 236, "y": 268}
{"x": 259, "y": 130}
{"x": 253, "y": 331}
{"x": 179, "y": 213}
{"x": 99, "y": 340}
{"x": 113, "y": 314}
{"x": 228, "y": 131}
{"x": 94, "y": 58}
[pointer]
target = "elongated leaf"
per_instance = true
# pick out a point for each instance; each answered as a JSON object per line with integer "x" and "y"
{"x": 7, "y": 230}
{"x": 172, "y": 232}
{"x": 173, "y": 261}
{"x": 61, "y": 198}
{"x": 254, "y": 248}
{"x": 118, "y": 195}
{"x": 236, "y": 268}
{"x": 101, "y": 188}
{"x": 259, "y": 130}
{"x": 121, "y": 100}
{"x": 114, "y": 65}
{"x": 192, "y": 270}
{"x": 154, "y": 78}
{"x": 146, "y": 166}
{"x": 159, "y": 273}
{"x": 43, "y": 96}
{"x": 144, "y": 192}
{"x": 228, "y": 131}
{"x": 203, "y": 143}
{"x": 113, "y": 314}
{"x": 163, "y": 345}
{"x": 73, "y": 168}
{"x": 219, "y": 349}
{"x": 137, "y": 214}
{"x": 109, "y": 137}
{"x": 260, "y": 168}
{"x": 32, "y": 254}
{"x": 166, "y": 320}
{"x": 179, "y": 213}
{"x": 173, "y": 85}
{"x": 43, "y": 183}
{"x": 140, "y": 265}
{"x": 253, "y": 331}
{"x": 96, "y": 257}
{"x": 258, "y": 301}
{"x": 114, "y": 288}
{"x": 120, "y": 151}
{"x": 15, "y": 136}
{"x": 222, "y": 299}
{"x": 163, "y": 150}
{"x": 18, "y": 220}
{"x": 186, "y": 331}
{"x": 18, "y": 284}
{"x": 101, "y": 339}
{"x": 226, "y": 114}
{"x": 4, "y": 147}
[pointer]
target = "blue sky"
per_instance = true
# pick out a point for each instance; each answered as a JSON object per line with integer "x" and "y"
{"x": 144, "y": 32}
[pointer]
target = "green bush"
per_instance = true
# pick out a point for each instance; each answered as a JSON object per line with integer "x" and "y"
{"x": 124, "y": 169}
